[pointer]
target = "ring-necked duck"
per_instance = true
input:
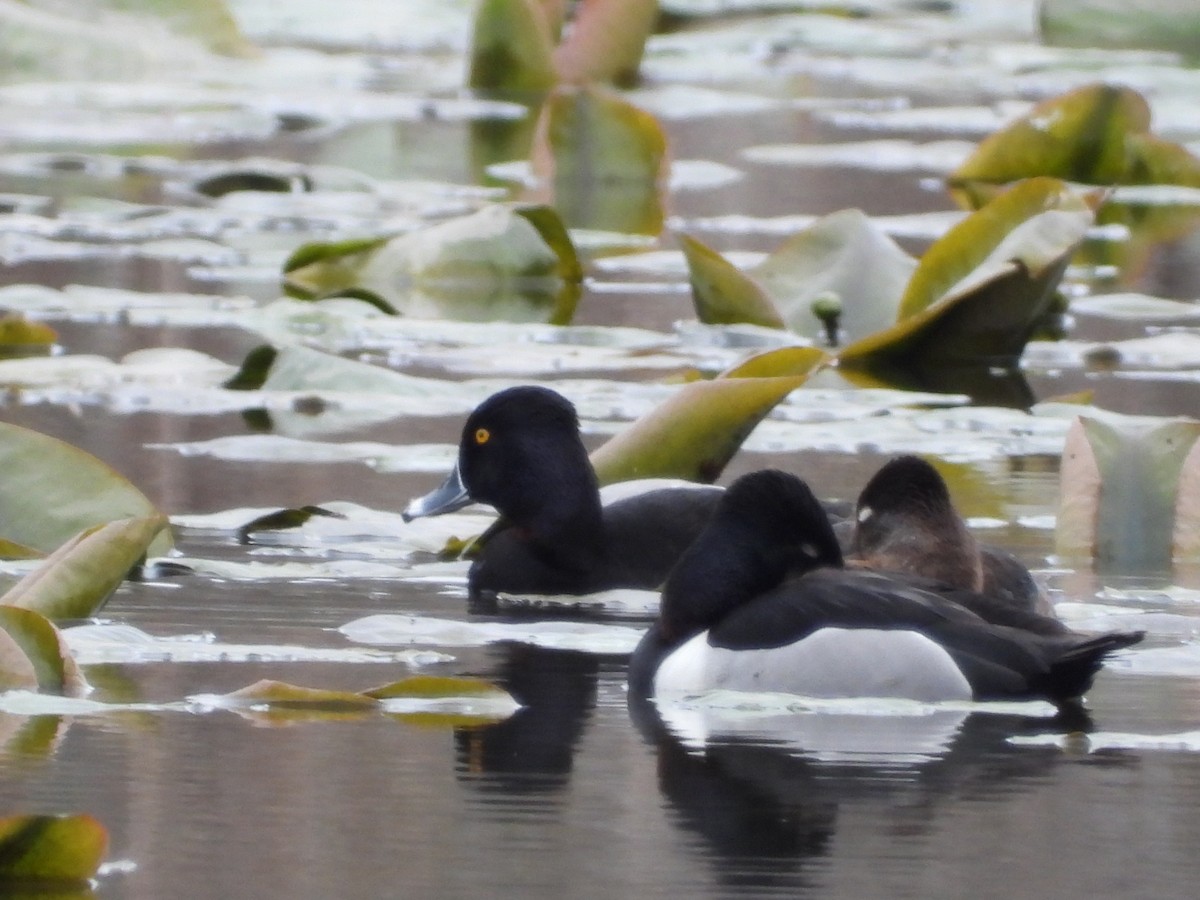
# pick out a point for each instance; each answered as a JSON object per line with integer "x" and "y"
{"x": 761, "y": 602}
{"x": 522, "y": 453}
{"x": 906, "y": 522}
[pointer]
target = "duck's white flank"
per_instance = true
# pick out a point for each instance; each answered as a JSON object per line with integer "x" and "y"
{"x": 831, "y": 662}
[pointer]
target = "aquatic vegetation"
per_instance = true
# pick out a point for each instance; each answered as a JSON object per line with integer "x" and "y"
{"x": 51, "y": 854}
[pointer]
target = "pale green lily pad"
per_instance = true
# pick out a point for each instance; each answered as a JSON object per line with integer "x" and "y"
{"x": 17, "y": 672}
{"x": 604, "y": 159}
{"x": 56, "y": 670}
{"x": 399, "y": 630}
{"x": 52, "y": 491}
{"x": 501, "y": 262}
{"x": 979, "y": 292}
{"x": 50, "y": 850}
{"x": 695, "y": 433}
{"x": 723, "y": 294}
{"x": 1120, "y": 487}
{"x": 1161, "y": 25}
{"x": 276, "y": 448}
{"x": 78, "y": 578}
{"x": 1135, "y": 307}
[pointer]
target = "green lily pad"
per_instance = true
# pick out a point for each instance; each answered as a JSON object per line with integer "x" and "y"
{"x": 17, "y": 672}
{"x": 51, "y": 491}
{"x": 48, "y": 849}
{"x": 428, "y": 687}
{"x": 695, "y": 433}
{"x": 1119, "y": 486}
{"x": 282, "y": 520}
{"x": 606, "y": 41}
{"x": 722, "y": 293}
{"x": 289, "y": 696}
{"x": 42, "y": 643}
{"x": 78, "y": 578}
{"x": 1097, "y": 134}
{"x": 19, "y": 336}
{"x": 502, "y": 262}
{"x": 604, "y": 158}
{"x": 511, "y": 48}
{"x": 979, "y": 292}
{"x": 1161, "y": 25}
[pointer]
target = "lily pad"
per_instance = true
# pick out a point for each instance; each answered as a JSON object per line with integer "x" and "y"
{"x": 502, "y": 262}
{"x": 1097, "y": 134}
{"x": 20, "y": 336}
{"x": 722, "y": 293}
{"x": 980, "y": 291}
{"x": 51, "y": 491}
{"x": 605, "y": 41}
{"x": 695, "y": 433}
{"x": 1120, "y": 483}
{"x": 41, "y": 642}
{"x": 50, "y": 849}
{"x": 604, "y": 159}
{"x": 289, "y": 696}
{"x": 79, "y": 577}
{"x": 511, "y": 48}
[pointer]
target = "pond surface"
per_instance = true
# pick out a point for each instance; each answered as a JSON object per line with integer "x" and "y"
{"x": 572, "y": 795}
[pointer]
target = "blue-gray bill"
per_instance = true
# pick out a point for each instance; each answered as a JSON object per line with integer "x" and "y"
{"x": 450, "y": 495}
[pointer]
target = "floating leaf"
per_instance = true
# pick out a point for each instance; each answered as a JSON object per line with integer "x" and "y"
{"x": 17, "y": 672}
{"x": 79, "y": 577}
{"x": 604, "y": 158}
{"x": 722, "y": 293}
{"x": 51, "y": 491}
{"x": 502, "y": 262}
{"x": 253, "y": 371}
{"x": 1120, "y": 25}
{"x": 48, "y": 849}
{"x": 42, "y": 643}
{"x": 283, "y": 519}
{"x": 20, "y": 336}
{"x": 290, "y": 696}
{"x": 1119, "y": 483}
{"x": 428, "y": 687}
{"x": 606, "y": 41}
{"x": 511, "y": 48}
{"x": 695, "y": 433}
{"x": 979, "y": 291}
{"x": 1096, "y": 134}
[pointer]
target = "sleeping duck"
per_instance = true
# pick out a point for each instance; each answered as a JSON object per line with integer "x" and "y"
{"x": 761, "y": 602}
{"x": 522, "y": 453}
{"x": 905, "y": 522}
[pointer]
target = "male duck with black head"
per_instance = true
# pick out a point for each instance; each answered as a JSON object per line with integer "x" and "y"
{"x": 905, "y": 522}
{"x": 521, "y": 452}
{"x": 761, "y": 602}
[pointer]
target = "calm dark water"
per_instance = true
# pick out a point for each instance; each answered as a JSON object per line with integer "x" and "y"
{"x": 574, "y": 795}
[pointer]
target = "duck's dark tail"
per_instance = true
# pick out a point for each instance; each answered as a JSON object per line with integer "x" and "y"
{"x": 1071, "y": 672}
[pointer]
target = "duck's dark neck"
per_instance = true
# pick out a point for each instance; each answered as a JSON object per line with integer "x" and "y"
{"x": 721, "y": 571}
{"x": 559, "y": 508}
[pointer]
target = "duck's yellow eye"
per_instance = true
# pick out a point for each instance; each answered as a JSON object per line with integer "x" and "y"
{"x": 482, "y": 435}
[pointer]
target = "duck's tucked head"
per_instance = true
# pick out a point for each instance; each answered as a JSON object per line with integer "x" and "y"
{"x": 521, "y": 452}
{"x": 767, "y": 527}
{"x": 905, "y": 521}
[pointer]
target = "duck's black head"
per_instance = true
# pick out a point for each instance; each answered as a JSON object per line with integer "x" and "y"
{"x": 767, "y": 527}
{"x": 521, "y": 452}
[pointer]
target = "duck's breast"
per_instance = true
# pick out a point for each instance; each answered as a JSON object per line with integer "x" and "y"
{"x": 830, "y": 662}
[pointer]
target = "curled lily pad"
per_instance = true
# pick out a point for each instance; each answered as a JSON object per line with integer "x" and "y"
{"x": 1128, "y": 490}
{"x": 723, "y": 294}
{"x": 502, "y": 262}
{"x": 53, "y": 665}
{"x": 282, "y": 694}
{"x": 446, "y": 701}
{"x": 695, "y": 433}
{"x": 980, "y": 291}
{"x": 51, "y": 491}
{"x": 782, "y": 361}
{"x": 50, "y": 849}
{"x": 1097, "y": 134}
{"x": 283, "y": 519}
{"x": 604, "y": 159}
{"x": 78, "y": 578}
